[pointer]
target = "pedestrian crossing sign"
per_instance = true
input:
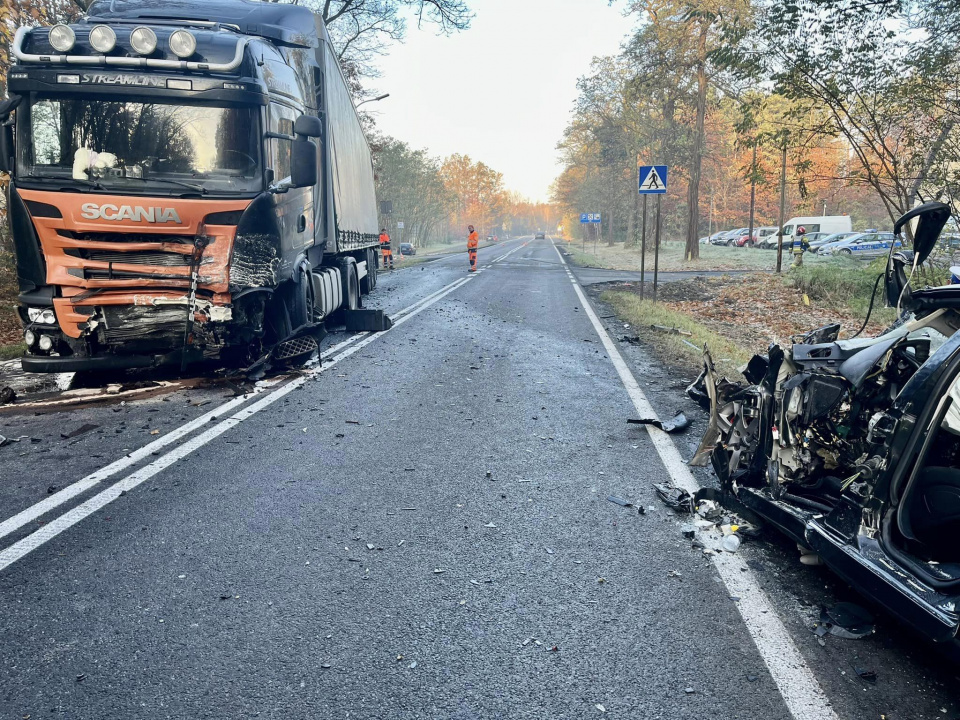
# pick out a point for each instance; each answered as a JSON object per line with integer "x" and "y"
{"x": 653, "y": 179}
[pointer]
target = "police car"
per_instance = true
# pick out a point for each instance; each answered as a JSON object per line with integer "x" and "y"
{"x": 865, "y": 245}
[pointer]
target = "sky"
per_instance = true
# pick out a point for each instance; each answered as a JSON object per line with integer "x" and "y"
{"x": 502, "y": 91}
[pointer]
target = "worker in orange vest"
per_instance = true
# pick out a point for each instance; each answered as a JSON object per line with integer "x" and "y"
{"x": 473, "y": 240}
{"x": 385, "y": 249}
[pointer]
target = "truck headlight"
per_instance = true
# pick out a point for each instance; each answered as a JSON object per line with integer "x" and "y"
{"x": 29, "y": 337}
{"x": 62, "y": 37}
{"x": 183, "y": 44}
{"x": 143, "y": 40}
{"x": 103, "y": 39}
{"x": 44, "y": 316}
{"x": 46, "y": 343}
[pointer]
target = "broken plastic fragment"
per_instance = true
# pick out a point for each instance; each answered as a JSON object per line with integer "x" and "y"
{"x": 619, "y": 501}
{"x": 846, "y": 620}
{"x": 678, "y": 424}
{"x": 674, "y": 497}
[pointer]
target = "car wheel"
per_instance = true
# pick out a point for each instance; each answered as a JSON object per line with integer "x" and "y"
{"x": 845, "y": 251}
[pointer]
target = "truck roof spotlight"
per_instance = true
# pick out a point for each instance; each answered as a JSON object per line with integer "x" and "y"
{"x": 143, "y": 40}
{"x": 103, "y": 39}
{"x": 62, "y": 38}
{"x": 183, "y": 44}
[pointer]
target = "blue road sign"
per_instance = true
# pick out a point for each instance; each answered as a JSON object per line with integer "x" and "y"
{"x": 653, "y": 179}
{"x": 590, "y": 218}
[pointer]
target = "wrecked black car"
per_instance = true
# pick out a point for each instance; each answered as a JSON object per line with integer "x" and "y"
{"x": 852, "y": 447}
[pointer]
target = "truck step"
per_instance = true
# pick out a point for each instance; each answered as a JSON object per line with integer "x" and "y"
{"x": 295, "y": 347}
{"x": 367, "y": 320}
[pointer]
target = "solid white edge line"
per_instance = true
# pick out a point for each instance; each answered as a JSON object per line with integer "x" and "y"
{"x": 49, "y": 531}
{"x": 801, "y": 692}
{"x": 38, "y": 510}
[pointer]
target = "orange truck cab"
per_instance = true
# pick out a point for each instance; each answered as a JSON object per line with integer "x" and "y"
{"x": 187, "y": 185}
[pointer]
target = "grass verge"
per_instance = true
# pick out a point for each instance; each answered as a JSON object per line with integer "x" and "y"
{"x": 712, "y": 257}
{"x": 11, "y": 352}
{"x": 845, "y": 285}
{"x": 643, "y": 314}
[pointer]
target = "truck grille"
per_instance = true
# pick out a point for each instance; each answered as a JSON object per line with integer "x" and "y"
{"x": 129, "y": 323}
{"x": 128, "y": 237}
{"x": 137, "y": 257}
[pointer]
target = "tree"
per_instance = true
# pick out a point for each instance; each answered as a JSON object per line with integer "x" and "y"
{"x": 361, "y": 30}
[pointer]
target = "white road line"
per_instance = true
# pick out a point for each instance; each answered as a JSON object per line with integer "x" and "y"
{"x": 81, "y": 486}
{"x": 49, "y": 531}
{"x": 796, "y": 682}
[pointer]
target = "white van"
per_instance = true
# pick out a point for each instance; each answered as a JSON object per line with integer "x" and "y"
{"x": 817, "y": 223}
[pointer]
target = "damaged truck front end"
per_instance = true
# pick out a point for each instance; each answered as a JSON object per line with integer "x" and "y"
{"x": 187, "y": 184}
{"x": 852, "y": 447}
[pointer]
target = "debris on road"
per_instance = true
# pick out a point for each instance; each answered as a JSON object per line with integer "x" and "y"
{"x": 600, "y": 707}
{"x": 82, "y": 430}
{"x": 7, "y": 395}
{"x": 845, "y": 620}
{"x": 674, "y": 497}
{"x": 490, "y": 525}
{"x": 678, "y": 424}
{"x": 619, "y": 501}
{"x": 869, "y": 675}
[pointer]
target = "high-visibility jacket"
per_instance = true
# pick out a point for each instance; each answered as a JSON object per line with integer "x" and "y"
{"x": 385, "y": 241}
{"x": 473, "y": 240}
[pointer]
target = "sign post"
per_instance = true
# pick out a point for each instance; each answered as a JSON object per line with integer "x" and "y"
{"x": 652, "y": 180}
{"x": 643, "y": 249}
{"x": 589, "y": 219}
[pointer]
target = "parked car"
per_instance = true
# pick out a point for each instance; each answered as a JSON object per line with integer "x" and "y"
{"x": 721, "y": 237}
{"x": 827, "y": 239}
{"x": 744, "y": 239}
{"x": 767, "y": 236}
{"x": 864, "y": 245}
{"x": 407, "y": 249}
{"x": 728, "y": 237}
{"x": 849, "y": 447}
{"x": 540, "y": 236}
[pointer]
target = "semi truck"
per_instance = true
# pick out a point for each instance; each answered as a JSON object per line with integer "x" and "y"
{"x": 189, "y": 183}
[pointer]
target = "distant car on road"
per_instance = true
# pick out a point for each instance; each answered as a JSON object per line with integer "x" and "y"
{"x": 491, "y": 239}
{"x": 540, "y": 236}
{"x": 407, "y": 249}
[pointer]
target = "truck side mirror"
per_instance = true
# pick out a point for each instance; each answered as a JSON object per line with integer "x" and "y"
{"x": 6, "y": 148}
{"x": 303, "y": 171}
{"x": 308, "y": 126}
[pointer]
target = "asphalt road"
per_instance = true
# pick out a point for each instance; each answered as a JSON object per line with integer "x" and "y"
{"x": 421, "y": 530}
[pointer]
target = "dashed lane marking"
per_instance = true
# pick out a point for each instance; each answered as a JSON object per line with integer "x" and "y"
{"x": 799, "y": 688}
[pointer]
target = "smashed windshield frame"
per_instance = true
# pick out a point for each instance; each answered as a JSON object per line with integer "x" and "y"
{"x": 141, "y": 146}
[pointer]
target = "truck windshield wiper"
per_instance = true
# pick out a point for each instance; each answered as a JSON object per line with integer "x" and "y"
{"x": 196, "y": 188}
{"x": 95, "y": 184}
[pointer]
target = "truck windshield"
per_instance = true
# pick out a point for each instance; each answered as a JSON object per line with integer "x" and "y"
{"x": 141, "y": 146}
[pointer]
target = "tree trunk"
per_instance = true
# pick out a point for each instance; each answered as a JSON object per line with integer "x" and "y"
{"x": 693, "y": 191}
{"x": 610, "y": 238}
{"x": 631, "y": 240}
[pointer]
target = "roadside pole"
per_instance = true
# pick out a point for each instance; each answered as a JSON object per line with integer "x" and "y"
{"x": 652, "y": 181}
{"x": 753, "y": 191}
{"x": 656, "y": 250}
{"x": 596, "y": 232}
{"x": 643, "y": 248}
{"x": 783, "y": 206}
